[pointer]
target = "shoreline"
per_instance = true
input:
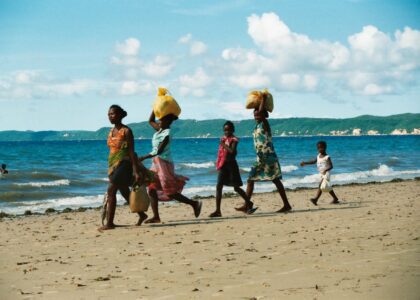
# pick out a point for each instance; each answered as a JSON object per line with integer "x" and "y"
{"x": 203, "y": 138}
{"x": 227, "y": 195}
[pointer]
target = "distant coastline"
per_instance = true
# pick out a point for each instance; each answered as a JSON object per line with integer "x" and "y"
{"x": 403, "y": 124}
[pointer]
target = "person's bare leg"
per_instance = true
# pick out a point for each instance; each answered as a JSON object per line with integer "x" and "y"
{"x": 196, "y": 205}
{"x": 248, "y": 203}
{"x": 218, "y": 212}
{"x": 335, "y": 198}
{"x": 318, "y": 194}
{"x": 286, "y": 205}
{"x": 155, "y": 207}
{"x": 112, "y": 203}
{"x": 125, "y": 192}
{"x": 249, "y": 191}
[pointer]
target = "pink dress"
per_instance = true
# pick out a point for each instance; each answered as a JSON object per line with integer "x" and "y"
{"x": 166, "y": 182}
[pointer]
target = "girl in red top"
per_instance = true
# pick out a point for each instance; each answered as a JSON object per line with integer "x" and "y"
{"x": 228, "y": 168}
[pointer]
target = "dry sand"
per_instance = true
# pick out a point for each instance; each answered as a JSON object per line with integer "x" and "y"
{"x": 366, "y": 248}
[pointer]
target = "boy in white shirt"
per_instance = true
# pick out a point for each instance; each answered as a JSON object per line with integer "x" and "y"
{"x": 324, "y": 165}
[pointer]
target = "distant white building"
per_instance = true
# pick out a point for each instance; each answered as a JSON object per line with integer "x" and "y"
{"x": 416, "y": 131}
{"x": 399, "y": 132}
{"x": 357, "y": 131}
{"x": 339, "y": 132}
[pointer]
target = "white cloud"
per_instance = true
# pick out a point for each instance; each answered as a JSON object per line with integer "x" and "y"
{"x": 372, "y": 63}
{"x": 235, "y": 110}
{"x": 310, "y": 82}
{"x": 159, "y": 67}
{"x": 198, "y": 79}
{"x": 29, "y": 84}
{"x": 130, "y": 47}
{"x": 128, "y": 88}
{"x": 196, "y": 47}
{"x": 132, "y": 67}
{"x": 251, "y": 81}
{"x": 194, "y": 84}
{"x": 185, "y": 39}
{"x": 26, "y": 76}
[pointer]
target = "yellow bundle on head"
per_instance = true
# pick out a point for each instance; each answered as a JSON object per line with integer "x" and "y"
{"x": 165, "y": 104}
{"x": 255, "y": 97}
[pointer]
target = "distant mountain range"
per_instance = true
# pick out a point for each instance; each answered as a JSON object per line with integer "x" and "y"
{"x": 362, "y": 125}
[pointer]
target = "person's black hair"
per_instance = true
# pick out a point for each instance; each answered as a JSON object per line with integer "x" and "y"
{"x": 265, "y": 113}
{"x": 322, "y": 143}
{"x": 230, "y": 124}
{"x": 119, "y": 110}
{"x": 3, "y": 166}
{"x": 170, "y": 117}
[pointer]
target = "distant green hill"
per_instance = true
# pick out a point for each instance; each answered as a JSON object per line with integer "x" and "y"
{"x": 403, "y": 123}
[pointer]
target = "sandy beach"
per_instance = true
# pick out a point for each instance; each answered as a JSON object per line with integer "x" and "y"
{"x": 366, "y": 248}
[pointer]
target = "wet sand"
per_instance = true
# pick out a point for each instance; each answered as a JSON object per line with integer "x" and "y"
{"x": 368, "y": 247}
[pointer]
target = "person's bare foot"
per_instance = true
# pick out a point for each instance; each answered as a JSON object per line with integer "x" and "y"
{"x": 314, "y": 201}
{"x": 284, "y": 209}
{"x": 106, "y": 227}
{"x": 153, "y": 220}
{"x": 216, "y": 214}
{"x": 197, "y": 208}
{"x": 246, "y": 208}
{"x": 142, "y": 218}
{"x": 241, "y": 208}
{"x": 335, "y": 201}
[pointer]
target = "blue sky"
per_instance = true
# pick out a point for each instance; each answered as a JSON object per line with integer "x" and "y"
{"x": 64, "y": 62}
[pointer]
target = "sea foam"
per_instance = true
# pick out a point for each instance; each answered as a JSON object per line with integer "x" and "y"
{"x": 45, "y": 183}
{"x": 204, "y": 165}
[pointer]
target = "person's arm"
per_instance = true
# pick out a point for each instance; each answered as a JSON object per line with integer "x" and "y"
{"x": 132, "y": 154}
{"x": 232, "y": 148}
{"x": 261, "y": 108}
{"x": 152, "y": 121}
{"x": 161, "y": 147}
{"x": 266, "y": 126}
{"x": 331, "y": 165}
{"x": 310, "y": 162}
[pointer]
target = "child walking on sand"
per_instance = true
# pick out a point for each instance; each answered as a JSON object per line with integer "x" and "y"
{"x": 167, "y": 185}
{"x": 228, "y": 168}
{"x": 266, "y": 166}
{"x": 324, "y": 165}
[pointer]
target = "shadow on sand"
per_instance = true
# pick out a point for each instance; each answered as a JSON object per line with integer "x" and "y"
{"x": 255, "y": 215}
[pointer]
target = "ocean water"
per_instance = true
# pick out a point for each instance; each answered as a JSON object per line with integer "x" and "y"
{"x": 74, "y": 174}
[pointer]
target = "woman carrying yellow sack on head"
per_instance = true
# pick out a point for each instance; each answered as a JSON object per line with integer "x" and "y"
{"x": 167, "y": 185}
{"x": 266, "y": 166}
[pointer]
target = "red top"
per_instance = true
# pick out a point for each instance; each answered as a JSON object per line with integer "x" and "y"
{"x": 223, "y": 153}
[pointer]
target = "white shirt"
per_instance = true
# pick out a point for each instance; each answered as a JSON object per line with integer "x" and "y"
{"x": 322, "y": 163}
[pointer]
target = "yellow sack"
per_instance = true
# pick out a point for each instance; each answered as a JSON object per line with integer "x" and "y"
{"x": 255, "y": 97}
{"x": 139, "y": 199}
{"x": 165, "y": 104}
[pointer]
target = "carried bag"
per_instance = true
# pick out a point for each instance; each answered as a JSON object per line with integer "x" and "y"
{"x": 255, "y": 97}
{"x": 139, "y": 198}
{"x": 325, "y": 184}
{"x": 165, "y": 104}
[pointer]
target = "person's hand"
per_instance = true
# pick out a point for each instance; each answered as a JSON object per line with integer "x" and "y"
{"x": 302, "y": 163}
